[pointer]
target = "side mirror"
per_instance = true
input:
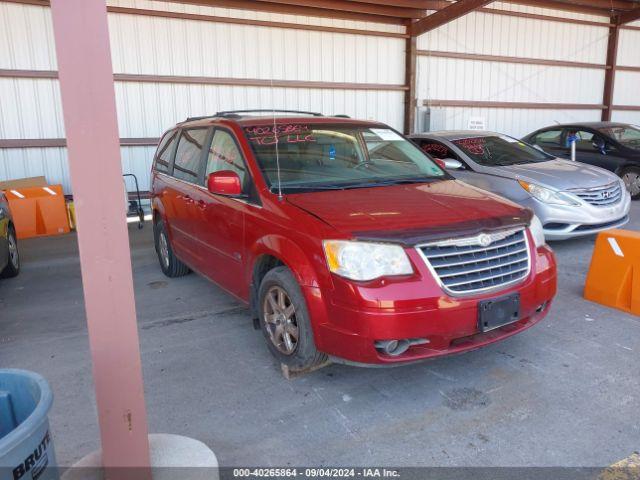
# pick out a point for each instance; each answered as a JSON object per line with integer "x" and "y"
{"x": 452, "y": 164}
{"x": 224, "y": 182}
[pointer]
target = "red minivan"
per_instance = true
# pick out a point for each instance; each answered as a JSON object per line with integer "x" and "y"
{"x": 347, "y": 241}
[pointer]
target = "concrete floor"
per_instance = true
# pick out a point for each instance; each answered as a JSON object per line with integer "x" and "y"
{"x": 565, "y": 393}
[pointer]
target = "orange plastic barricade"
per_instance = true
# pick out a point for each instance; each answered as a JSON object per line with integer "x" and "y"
{"x": 614, "y": 275}
{"x": 38, "y": 211}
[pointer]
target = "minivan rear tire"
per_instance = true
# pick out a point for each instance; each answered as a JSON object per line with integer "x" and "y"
{"x": 171, "y": 265}
{"x": 305, "y": 355}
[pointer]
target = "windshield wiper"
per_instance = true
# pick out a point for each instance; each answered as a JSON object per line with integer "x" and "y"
{"x": 274, "y": 188}
{"x": 348, "y": 186}
{"x": 388, "y": 182}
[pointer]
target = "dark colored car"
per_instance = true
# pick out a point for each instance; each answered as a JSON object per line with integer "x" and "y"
{"x": 610, "y": 145}
{"x": 9, "y": 257}
{"x": 345, "y": 239}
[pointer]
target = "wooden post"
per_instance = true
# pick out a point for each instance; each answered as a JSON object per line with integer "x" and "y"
{"x": 88, "y": 101}
{"x": 610, "y": 75}
{"x": 410, "y": 81}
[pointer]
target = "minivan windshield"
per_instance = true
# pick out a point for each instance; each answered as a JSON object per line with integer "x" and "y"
{"x": 627, "y": 135}
{"x": 307, "y": 157}
{"x": 500, "y": 150}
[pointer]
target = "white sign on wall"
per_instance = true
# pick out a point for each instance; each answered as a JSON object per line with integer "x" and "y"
{"x": 477, "y": 123}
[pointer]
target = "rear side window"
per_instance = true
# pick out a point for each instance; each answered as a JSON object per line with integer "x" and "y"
{"x": 189, "y": 153}
{"x": 165, "y": 149}
{"x": 550, "y": 138}
{"x": 225, "y": 155}
{"x": 437, "y": 149}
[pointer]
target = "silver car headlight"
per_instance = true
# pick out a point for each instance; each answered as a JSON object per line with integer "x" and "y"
{"x": 366, "y": 260}
{"x": 537, "y": 232}
{"x": 546, "y": 195}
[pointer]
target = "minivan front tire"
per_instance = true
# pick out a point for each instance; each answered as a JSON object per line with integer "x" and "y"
{"x": 285, "y": 323}
{"x": 170, "y": 264}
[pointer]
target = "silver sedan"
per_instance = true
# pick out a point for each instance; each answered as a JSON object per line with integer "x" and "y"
{"x": 571, "y": 199}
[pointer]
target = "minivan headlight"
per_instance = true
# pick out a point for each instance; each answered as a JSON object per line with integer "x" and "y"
{"x": 537, "y": 232}
{"x": 366, "y": 260}
{"x": 546, "y": 195}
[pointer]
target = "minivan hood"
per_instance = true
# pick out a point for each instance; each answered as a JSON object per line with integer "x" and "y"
{"x": 414, "y": 213}
{"x": 557, "y": 174}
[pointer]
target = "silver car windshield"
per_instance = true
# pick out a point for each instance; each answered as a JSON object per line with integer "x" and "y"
{"x": 628, "y": 135}
{"x": 493, "y": 151}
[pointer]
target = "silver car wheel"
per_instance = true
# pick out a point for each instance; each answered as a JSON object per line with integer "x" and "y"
{"x": 163, "y": 246}
{"x": 14, "y": 257}
{"x": 279, "y": 315}
{"x": 632, "y": 182}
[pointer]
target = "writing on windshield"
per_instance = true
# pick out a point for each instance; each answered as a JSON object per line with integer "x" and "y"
{"x": 324, "y": 156}
{"x": 272, "y": 134}
{"x": 499, "y": 150}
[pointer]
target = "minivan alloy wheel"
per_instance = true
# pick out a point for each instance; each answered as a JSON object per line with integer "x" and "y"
{"x": 632, "y": 182}
{"x": 163, "y": 246}
{"x": 280, "y": 319}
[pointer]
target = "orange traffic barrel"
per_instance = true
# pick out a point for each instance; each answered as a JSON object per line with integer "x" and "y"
{"x": 38, "y": 211}
{"x": 614, "y": 274}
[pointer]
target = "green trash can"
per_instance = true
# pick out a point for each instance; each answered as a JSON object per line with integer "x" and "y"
{"x": 26, "y": 447}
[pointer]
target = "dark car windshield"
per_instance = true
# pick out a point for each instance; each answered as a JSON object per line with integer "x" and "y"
{"x": 318, "y": 157}
{"x": 627, "y": 135}
{"x": 500, "y": 150}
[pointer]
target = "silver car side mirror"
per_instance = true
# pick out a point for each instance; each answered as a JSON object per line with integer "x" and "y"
{"x": 452, "y": 164}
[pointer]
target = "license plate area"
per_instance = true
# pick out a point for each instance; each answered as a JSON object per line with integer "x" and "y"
{"x": 498, "y": 312}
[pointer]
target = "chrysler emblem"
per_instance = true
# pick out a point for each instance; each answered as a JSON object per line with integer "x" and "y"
{"x": 484, "y": 240}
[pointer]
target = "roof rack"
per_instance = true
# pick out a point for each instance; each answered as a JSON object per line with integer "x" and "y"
{"x": 236, "y": 113}
{"x": 341, "y": 115}
{"x": 266, "y": 110}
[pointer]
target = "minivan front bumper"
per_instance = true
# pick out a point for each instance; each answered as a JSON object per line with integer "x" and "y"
{"x": 418, "y": 309}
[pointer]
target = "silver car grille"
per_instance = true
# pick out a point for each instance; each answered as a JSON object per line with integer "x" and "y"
{"x": 489, "y": 261}
{"x": 600, "y": 196}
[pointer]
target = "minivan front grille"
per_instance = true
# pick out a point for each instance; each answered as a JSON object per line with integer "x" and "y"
{"x": 488, "y": 261}
{"x": 600, "y": 196}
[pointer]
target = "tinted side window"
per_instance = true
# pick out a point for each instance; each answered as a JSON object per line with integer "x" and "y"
{"x": 548, "y": 138}
{"x": 163, "y": 154}
{"x": 188, "y": 154}
{"x": 585, "y": 141}
{"x": 225, "y": 155}
{"x": 437, "y": 149}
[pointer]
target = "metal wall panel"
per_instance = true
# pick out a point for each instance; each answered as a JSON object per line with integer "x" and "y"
{"x": 625, "y": 116}
{"x": 52, "y": 163}
{"x": 514, "y": 122}
{"x": 31, "y": 108}
{"x": 629, "y": 49}
{"x": 490, "y": 34}
{"x": 33, "y": 162}
{"x": 26, "y": 37}
{"x": 147, "y": 109}
{"x": 460, "y": 79}
{"x": 502, "y": 35}
{"x": 627, "y": 88}
{"x": 254, "y": 15}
